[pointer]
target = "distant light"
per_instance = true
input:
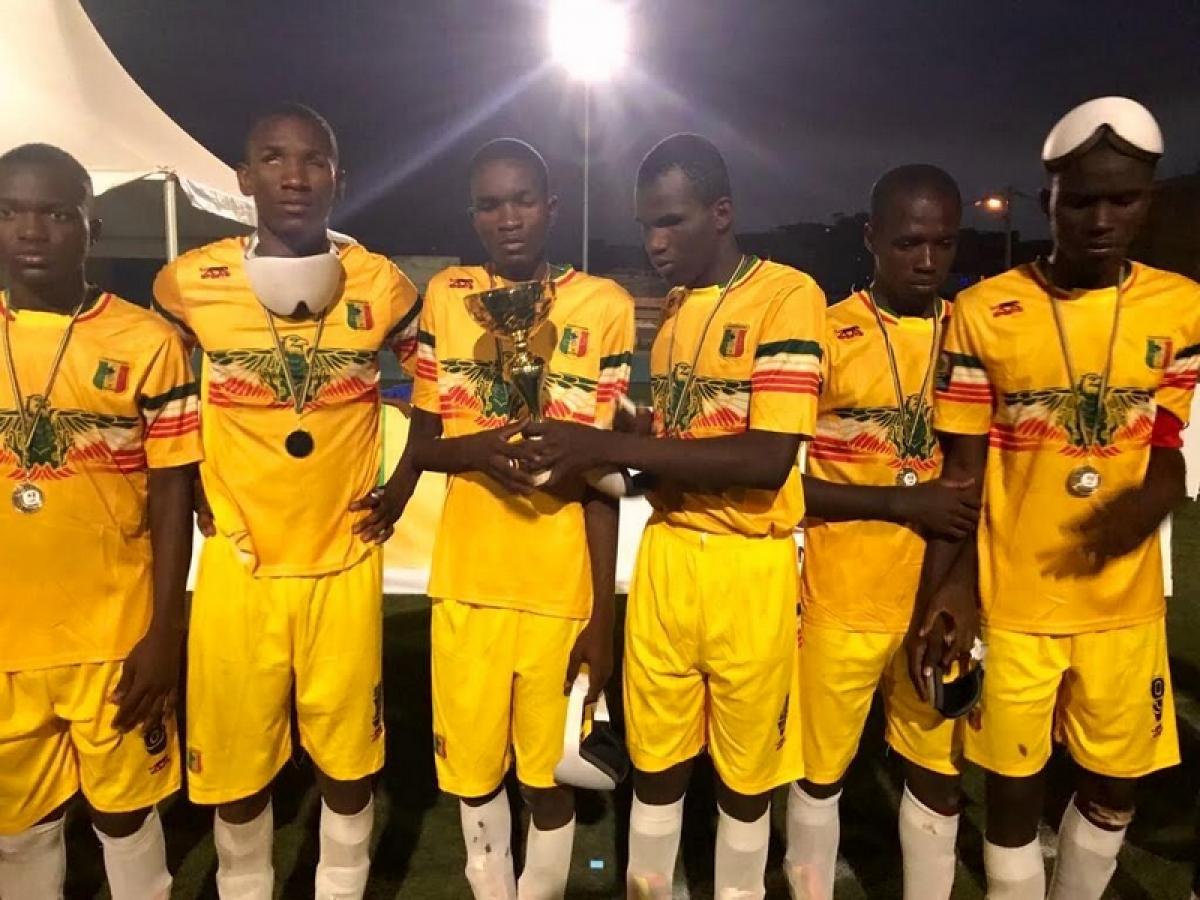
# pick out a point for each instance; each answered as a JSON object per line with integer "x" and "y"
{"x": 589, "y": 38}
{"x": 993, "y": 203}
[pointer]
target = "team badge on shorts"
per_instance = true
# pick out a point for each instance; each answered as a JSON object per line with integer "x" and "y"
{"x": 155, "y": 739}
{"x": 1158, "y": 352}
{"x": 377, "y": 714}
{"x": 195, "y": 761}
{"x": 733, "y": 341}
{"x": 1158, "y": 690}
{"x": 439, "y": 746}
{"x": 781, "y": 724}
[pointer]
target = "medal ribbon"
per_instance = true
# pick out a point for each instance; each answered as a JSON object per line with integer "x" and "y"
{"x": 29, "y": 423}
{"x": 671, "y": 422}
{"x": 908, "y": 434}
{"x": 1064, "y": 344}
{"x": 300, "y": 399}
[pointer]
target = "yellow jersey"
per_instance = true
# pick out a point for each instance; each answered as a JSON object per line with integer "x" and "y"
{"x": 723, "y": 367}
{"x": 862, "y": 575}
{"x": 78, "y": 573}
{"x": 289, "y": 516}
{"x": 494, "y": 548}
{"x": 1003, "y": 373}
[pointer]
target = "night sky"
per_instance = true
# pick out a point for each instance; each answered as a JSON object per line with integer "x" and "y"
{"x": 809, "y": 101}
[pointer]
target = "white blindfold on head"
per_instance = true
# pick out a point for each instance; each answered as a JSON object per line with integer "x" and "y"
{"x": 1083, "y": 127}
{"x": 287, "y": 285}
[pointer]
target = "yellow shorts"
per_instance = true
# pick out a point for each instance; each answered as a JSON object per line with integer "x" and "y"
{"x": 498, "y": 677}
{"x": 252, "y": 640}
{"x": 710, "y": 656}
{"x": 839, "y": 673}
{"x": 1106, "y": 695}
{"x": 57, "y": 737}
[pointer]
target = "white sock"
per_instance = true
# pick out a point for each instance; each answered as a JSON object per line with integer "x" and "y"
{"x": 34, "y": 862}
{"x": 345, "y": 853}
{"x": 1014, "y": 873}
{"x": 547, "y": 863}
{"x": 813, "y": 832}
{"x": 487, "y": 832}
{"x": 654, "y": 833}
{"x": 1087, "y": 857}
{"x": 137, "y": 865}
{"x": 927, "y": 843}
{"x": 244, "y": 869}
{"x": 741, "y": 857}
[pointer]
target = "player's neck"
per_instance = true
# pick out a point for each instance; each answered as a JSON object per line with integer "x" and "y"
{"x": 535, "y": 271}
{"x": 899, "y": 305}
{"x": 61, "y": 298}
{"x": 723, "y": 266}
{"x": 273, "y": 244}
{"x": 1083, "y": 275}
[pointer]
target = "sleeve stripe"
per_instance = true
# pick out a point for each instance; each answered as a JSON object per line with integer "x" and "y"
{"x": 793, "y": 346}
{"x": 179, "y": 392}
{"x": 174, "y": 426}
{"x": 426, "y": 339}
{"x": 962, "y": 360}
{"x": 1187, "y": 352}
{"x": 172, "y": 318}
{"x": 617, "y": 359}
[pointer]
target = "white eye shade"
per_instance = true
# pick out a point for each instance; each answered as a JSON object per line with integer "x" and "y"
{"x": 1131, "y": 121}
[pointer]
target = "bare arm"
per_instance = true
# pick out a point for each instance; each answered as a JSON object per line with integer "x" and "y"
{"x": 146, "y": 693}
{"x": 753, "y": 459}
{"x": 938, "y": 507}
{"x": 601, "y": 516}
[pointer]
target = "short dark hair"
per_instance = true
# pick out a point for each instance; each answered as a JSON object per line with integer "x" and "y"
{"x": 698, "y": 158}
{"x": 904, "y": 181}
{"x": 512, "y": 150}
{"x": 299, "y": 111}
{"x": 49, "y": 155}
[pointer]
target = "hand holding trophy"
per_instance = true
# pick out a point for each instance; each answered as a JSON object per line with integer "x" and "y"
{"x": 513, "y": 314}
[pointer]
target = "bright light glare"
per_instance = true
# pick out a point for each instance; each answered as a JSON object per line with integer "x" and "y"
{"x": 993, "y": 204}
{"x": 589, "y": 38}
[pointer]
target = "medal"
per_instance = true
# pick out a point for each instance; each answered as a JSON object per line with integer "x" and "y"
{"x": 299, "y": 443}
{"x": 28, "y": 498}
{"x": 1083, "y": 482}
{"x": 907, "y": 477}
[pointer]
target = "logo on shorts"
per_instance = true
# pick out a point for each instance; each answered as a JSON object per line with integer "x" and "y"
{"x": 782, "y": 723}
{"x": 160, "y": 764}
{"x": 1158, "y": 691}
{"x": 377, "y": 714}
{"x": 439, "y": 745}
{"x": 195, "y": 761}
{"x": 155, "y": 739}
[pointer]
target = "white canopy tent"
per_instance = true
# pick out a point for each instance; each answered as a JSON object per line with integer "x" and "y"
{"x": 61, "y": 85}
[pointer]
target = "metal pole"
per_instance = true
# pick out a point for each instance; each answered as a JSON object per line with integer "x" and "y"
{"x": 587, "y": 163}
{"x": 171, "y": 216}
{"x": 1008, "y": 229}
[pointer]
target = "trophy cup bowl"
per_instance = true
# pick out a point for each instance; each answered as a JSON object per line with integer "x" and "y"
{"x": 514, "y": 313}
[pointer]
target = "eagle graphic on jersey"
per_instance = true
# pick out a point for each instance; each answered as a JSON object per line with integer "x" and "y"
{"x": 885, "y": 425}
{"x": 265, "y": 368}
{"x": 1098, "y": 418}
{"x": 479, "y": 386}
{"x": 57, "y": 433}
{"x": 718, "y": 402}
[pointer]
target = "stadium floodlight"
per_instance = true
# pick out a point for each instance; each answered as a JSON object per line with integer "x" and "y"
{"x": 590, "y": 40}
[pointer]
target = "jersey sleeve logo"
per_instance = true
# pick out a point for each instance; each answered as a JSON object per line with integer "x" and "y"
{"x": 462, "y": 284}
{"x": 1054, "y": 413}
{"x": 214, "y": 272}
{"x": 111, "y": 376}
{"x": 574, "y": 341}
{"x": 1007, "y": 308}
{"x": 359, "y": 316}
{"x": 733, "y": 341}
{"x": 1158, "y": 352}
{"x": 248, "y": 374}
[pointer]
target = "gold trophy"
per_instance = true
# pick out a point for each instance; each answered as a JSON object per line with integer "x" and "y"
{"x": 513, "y": 314}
